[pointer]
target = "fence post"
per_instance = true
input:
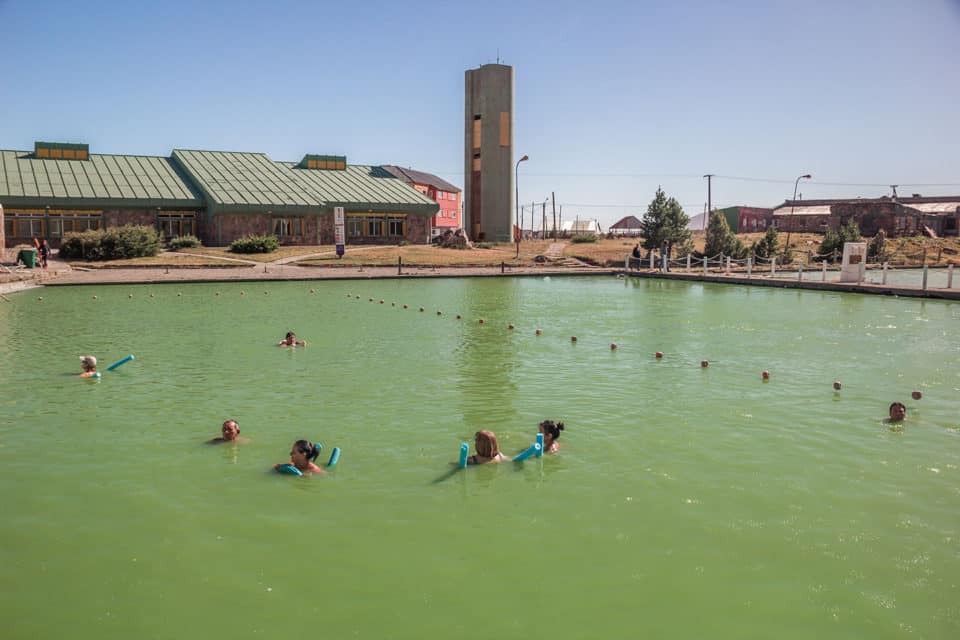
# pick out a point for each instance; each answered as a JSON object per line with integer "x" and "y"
{"x": 626, "y": 263}
{"x": 651, "y": 260}
{"x": 950, "y": 276}
{"x": 503, "y": 267}
{"x": 399, "y": 265}
{"x": 704, "y": 265}
{"x": 824, "y": 269}
{"x": 773, "y": 266}
{"x": 800, "y": 272}
{"x": 728, "y": 265}
{"x": 749, "y": 266}
{"x": 885, "y": 265}
{"x": 924, "y": 277}
{"x": 689, "y": 255}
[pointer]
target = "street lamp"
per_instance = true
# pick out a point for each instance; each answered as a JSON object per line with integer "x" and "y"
{"x": 796, "y": 182}
{"x": 516, "y": 186}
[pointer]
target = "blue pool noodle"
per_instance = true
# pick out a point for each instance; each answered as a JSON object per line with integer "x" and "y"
{"x": 120, "y": 362}
{"x": 526, "y": 453}
{"x": 464, "y": 450}
{"x": 288, "y": 469}
{"x": 334, "y": 457}
{"x": 539, "y": 445}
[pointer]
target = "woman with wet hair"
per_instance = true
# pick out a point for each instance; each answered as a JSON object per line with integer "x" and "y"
{"x": 488, "y": 450}
{"x": 551, "y": 432}
{"x": 302, "y": 456}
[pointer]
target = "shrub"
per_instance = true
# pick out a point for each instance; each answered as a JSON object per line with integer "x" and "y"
{"x": 833, "y": 240}
{"x": 181, "y": 242}
{"x": 767, "y": 245}
{"x": 583, "y": 238}
{"x": 115, "y": 243}
{"x": 255, "y": 244}
{"x": 483, "y": 245}
{"x": 877, "y": 246}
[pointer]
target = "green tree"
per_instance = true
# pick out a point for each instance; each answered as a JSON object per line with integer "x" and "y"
{"x": 767, "y": 245}
{"x": 721, "y": 240}
{"x": 664, "y": 220}
{"x": 833, "y": 240}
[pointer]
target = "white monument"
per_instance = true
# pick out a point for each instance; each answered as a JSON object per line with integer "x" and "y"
{"x": 854, "y": 261}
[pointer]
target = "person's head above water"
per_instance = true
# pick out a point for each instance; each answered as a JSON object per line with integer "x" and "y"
{"x": 230, "y": 430}
{"x": 897, "y": 411}
{"x": 486, "y": 443}
{"x": 551, "y": 428}
{"x": 303, "y": 453}
{"x": 89, "y": 363}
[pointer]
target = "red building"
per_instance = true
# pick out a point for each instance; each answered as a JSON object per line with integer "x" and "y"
{"x": 442, "y": 192}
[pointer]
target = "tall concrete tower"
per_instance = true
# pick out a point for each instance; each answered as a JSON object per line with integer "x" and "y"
{"x": 488, "y": 154}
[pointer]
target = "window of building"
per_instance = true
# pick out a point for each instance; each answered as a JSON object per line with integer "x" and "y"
{"x": 476, "y": 132}
{"x": 172, "y": 225}
{"x": 288, "y": 227}
{"x": 20, "y": 226}
{"x": 374, "y": 228}
{"x": 396, "y": 227}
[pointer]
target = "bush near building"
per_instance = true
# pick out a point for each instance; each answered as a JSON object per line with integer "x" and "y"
{"x": 181, "y": 242}
{"x": 114, "y": 243}
{"x": 255, "y": 244}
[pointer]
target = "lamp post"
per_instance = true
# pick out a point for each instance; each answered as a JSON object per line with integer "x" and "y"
{"x": 796, "y": 182}
{"x": 516, "y": 193}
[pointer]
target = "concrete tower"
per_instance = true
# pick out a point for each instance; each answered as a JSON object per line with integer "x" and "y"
{"x": 488, "y": 154}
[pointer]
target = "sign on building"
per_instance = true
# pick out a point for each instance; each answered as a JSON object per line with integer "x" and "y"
{"x": 339, "y": 232}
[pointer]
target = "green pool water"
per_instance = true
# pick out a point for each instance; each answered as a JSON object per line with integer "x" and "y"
{"x": 685, "y": 502}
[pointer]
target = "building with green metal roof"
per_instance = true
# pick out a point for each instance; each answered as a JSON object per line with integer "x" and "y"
{"x": 216, "y": 195}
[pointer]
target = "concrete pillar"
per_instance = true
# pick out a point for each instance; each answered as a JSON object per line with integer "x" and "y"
{"x": 749, "y": 266}
{"x": 651, "y": 261}
{"x": 950, "y": 276}
{"x": 704, "y": 265}
{"x": 885, "y": 265}
{"x": 773, "y": 266}
{"x": 689, "y": 255}
{"x": 924, "y": 277}
{"x": 824, "y": 271}
{"x": 800, "y": 272}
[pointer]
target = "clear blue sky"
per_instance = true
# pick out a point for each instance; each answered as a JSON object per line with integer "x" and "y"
{"x": 612, "y": 98}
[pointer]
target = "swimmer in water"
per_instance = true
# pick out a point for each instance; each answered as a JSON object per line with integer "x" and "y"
{"x": 551, "y": 432}
{"x": 898, "y": 412}
{"x": 487, "y": 449}
{"x": 230, "y": 432}
{"x": 291, "y": 341}
{"x": 302, "y": 456}
{"x": 89, "y": 365}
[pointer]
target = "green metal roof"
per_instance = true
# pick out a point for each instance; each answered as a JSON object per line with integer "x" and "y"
{"x": 101, "y": 181}
{"x": 364, "y": 187}
{"x": 246, "y": 182}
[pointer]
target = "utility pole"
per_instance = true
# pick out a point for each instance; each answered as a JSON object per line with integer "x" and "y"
{"x": 709, "y": 177}
{"x": 543, "y": 221}
{"x": 553, "y": 196}
{"x": 561, "y": 216}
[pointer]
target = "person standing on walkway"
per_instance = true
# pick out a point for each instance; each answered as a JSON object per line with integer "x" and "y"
{"x": 44, "y": 253}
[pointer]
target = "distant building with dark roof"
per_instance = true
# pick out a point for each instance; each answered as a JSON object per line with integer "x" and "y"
{"x": 896, "y": 216}
{"x": 446, "y": 195}
{"x": 626, "y": 226}
{"x": 217, "y": 196}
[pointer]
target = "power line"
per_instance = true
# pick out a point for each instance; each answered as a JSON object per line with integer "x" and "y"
{"x": 725, "y": 177}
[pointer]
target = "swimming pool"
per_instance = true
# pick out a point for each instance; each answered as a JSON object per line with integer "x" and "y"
{"x": 685, "y": 501}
